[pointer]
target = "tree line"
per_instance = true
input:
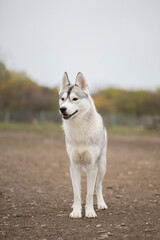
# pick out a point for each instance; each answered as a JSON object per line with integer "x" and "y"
{"x": 20, "y": 93}
{"x": 140, "y": 102}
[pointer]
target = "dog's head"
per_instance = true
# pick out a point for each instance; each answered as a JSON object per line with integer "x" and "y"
{"x": 73, "y": 99}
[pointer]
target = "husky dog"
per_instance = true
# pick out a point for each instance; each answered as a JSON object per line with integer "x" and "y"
{"x": 86, "y": 142}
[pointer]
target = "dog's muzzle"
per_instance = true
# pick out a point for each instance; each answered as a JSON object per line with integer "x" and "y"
{"x": 65, "y": 115}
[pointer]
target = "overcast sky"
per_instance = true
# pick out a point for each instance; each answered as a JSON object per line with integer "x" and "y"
{"x": 112, "y": 42}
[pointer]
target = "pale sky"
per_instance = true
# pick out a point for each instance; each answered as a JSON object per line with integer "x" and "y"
{"x": 112, "y": 42}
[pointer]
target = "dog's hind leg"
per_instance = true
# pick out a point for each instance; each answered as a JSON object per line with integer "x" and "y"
{"x": 75, "y": 171}
{"x": 100, "y": 176}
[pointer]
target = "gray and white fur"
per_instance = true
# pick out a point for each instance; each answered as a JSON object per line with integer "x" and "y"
{"x": 86, "y": 143}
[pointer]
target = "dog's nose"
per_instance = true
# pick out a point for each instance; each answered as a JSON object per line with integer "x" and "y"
{"x": 63, "y": 109}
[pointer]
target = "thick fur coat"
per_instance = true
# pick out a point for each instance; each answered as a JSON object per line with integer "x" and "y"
{"x": 86, "y": 143}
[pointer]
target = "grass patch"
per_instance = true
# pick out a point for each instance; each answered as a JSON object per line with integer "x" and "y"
{"x": 125, "y": 130}
{"x": 52, "y": 127}
{"x": 30, "y": 127}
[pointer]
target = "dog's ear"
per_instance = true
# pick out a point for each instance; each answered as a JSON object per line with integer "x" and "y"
{"x": 81, "y": 82}
{"x": 65, "y": 82}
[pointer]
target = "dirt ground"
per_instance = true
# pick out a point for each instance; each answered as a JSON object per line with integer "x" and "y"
{"x": 36, "y": 193}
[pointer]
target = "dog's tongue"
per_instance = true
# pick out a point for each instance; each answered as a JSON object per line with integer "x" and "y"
{"x": 66, "y": 115}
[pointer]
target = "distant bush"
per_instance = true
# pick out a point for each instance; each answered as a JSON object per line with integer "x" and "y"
{"x": 19, "y": 92}
{"x": 139, "y": 102}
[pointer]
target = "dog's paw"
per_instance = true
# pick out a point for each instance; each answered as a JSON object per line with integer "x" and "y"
{"x": 75, "y": 214}
{"x": 90, "y": 213}
{"x": 102, "y": 205}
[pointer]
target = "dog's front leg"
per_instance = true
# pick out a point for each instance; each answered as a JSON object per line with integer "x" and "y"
{"x": 75, "y": 171}
{"x": 91, "y": 178}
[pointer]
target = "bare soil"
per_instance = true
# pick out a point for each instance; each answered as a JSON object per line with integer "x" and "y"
{"x": 36, "y": 192}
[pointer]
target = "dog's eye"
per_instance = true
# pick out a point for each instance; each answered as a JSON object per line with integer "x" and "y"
{"x": 62, "y": 99}
{"x": 75, "y": 99}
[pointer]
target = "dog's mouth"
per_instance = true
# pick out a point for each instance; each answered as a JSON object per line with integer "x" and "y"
{"x": 67, "y": 116}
